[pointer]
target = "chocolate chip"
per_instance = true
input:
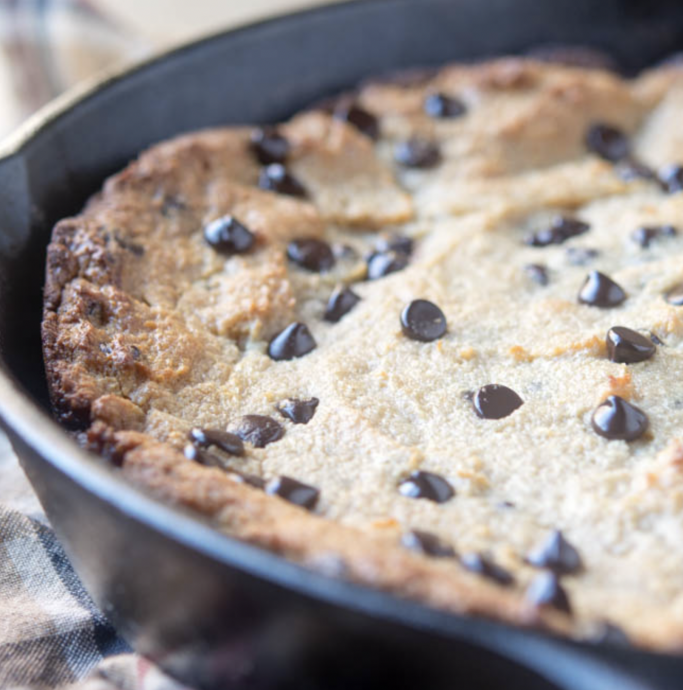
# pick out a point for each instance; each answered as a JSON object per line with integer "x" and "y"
{"x": 630, "y": 169}
{"x": 314, "y": 255}
{"x": 580, "y": 256}
{"x": 442, "y": 106}
{"x": 560, "y": 230}
{"x": 381, "y": 264}
{"x": 610, "y": 634}
{"x": 427, "y": 543}
{"x": 675, "y": 295}
{"x": 275, "y": 178}
{"x": 230, "y": 443}
{"x": 608, "y": 142}
{"x": 495, "y": 402}
{"x": 269, "y": 146}
{"x": 259, "y": 430}
{"x": 202, "y": 457}
{"x": 417, "y": 153}
{"x": 228, "y": 236}
{"x": 656, "y": 340}
{"x": 556, "y": 554}
{"x": 643, "y": 236}
{"x": 427, "y": 485}
{"x": 294, "y": 491}
{"x": 360, "y": 118}
{"x": 341, "y": 302}
{"x": 423, "y": 320}
{"x": 545, "y": 590}
{"x": 671, "y": 178}
{"x": 601, "y": 291}
{"x": 298, "y": 411}
{"x": 538, "y": 273}
{"x": 395, "y": 243}
{"x": 196, "y": 454}
{"x": 625, "y": 346}
{"x": 617, "y": 419}
{"x": 294, "y": 341}
{"x": 484, "y": 566}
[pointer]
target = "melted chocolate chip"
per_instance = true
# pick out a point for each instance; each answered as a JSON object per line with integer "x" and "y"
{"x": 610, "y": 634}
{"x": 556, "y": 554}
{"x": 601, "y": 291}
{"x": 269, "y": 146}
{"x": 617, "y": 419}
{"x": 675, "y": 295}
{"x": 298, "y": 411}
{"x": 314, "y": 255}
{"x": 259, "y": 430}
{"x": 644, "y": 236}
{"x": 422, "y": 320}
{"x": 228, "y": 236}
{"x": 395, "y": 243}
{"x": 294, "y": 491}
{"x": 427, "y": 485}
{"x": 294, "y": 341}
{"x": 442, "y": 106}
{"x": 275, "y": 178}
{"x": 495, "y": 402}
{"x": 417, "y": 153}
{"x": 484, "y": 566}
{"x": 626, "y": 346}
{"x": 545, "y": 590}
{"x": 608, "y": 142}
{"x": 230, "y": 443}
{"x": 580, "y": 256}
{"x": 196, "y": 454}
{"x": 538, "y": 273}
{"x": 360, "y": 118}
{"x": 381, "y": 264}
{"x": 427, "y": 543}
{"x": 671, "y": 178}
{"x": 561, "y": 229}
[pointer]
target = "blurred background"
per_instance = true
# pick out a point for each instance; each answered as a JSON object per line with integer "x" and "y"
{"x": 50, "y": 45}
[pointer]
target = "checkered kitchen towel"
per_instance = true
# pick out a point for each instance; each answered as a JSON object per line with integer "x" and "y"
{"x": 51, "y": 633}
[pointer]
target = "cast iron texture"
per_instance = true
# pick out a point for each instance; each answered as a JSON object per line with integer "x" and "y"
{"x": 217, "y": 613}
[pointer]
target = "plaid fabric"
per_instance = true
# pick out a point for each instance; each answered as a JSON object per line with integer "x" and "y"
{"x": 51, "y": 633}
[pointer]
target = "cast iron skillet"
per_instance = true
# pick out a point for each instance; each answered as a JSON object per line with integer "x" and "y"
{"x": 215, "y": 612}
